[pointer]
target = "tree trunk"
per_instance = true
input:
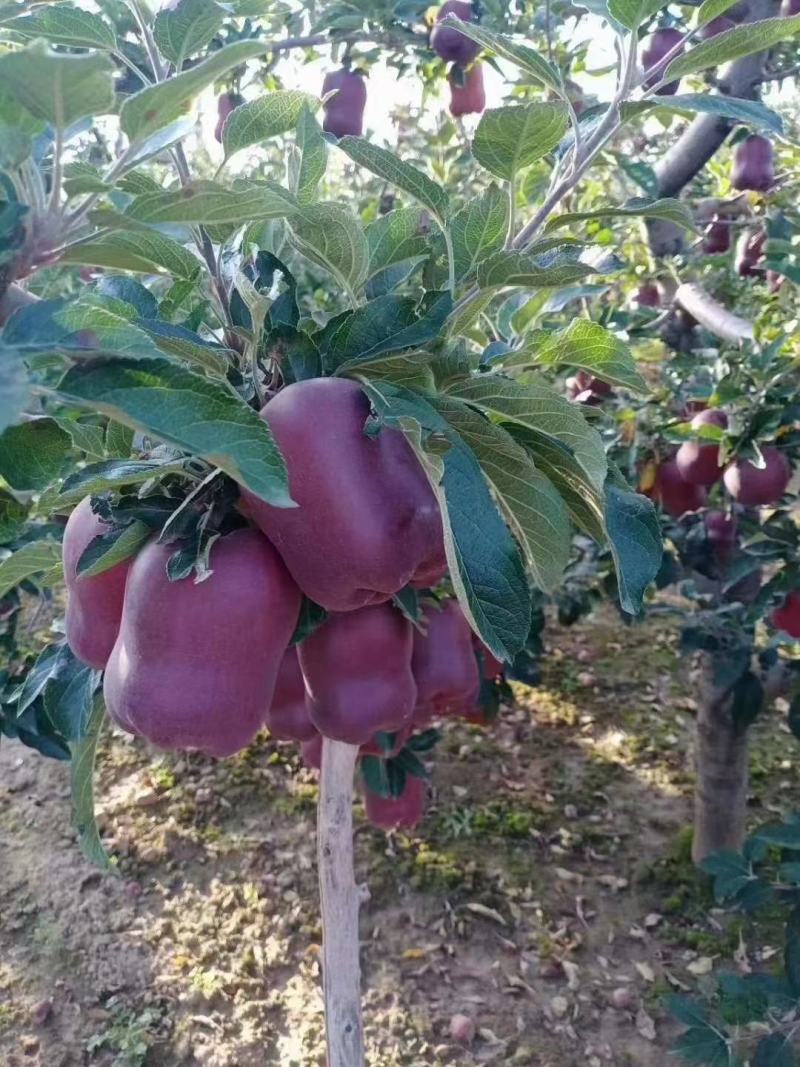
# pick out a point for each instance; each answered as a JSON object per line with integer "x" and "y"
{"x": 339, "y": 898}
{"x": 721, "y": 775}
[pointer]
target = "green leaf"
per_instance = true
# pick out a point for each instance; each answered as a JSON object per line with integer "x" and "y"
{"x": 183, "y": 343}
{"x": 733, "y": 44}
{"x": 108, "y": 549}
{"x": 267, "y": 116}
{"x": 550, "y": 270}
{"x": 386, "y": 165}
{"x": 66, "y": 25}
{"x": 634, "y": 534}
{"x": 388, "y": 324}
{"x": 205, "y": 202}
{"x": 185, "y": 29}
{"x": 523, "y": 56}
{"x": 113, "y": 473}
{"x": 632, "y": 13}
{"x": 730, "y": 870}
{"x": 686, "y": 1010}
{"x": 710, "y": 9}
{"x": 411, "y": 369}
{"x": 463, "y": 318}
{"x": 749, "y": 112}
{"x": 119, "y": 439}
{"x": 479, "y": 229}
{"x": 308, "y": 158}
{"x": 774, "y": 1050}
{"x": 667, "y": 209}
{"x": 331, "y": 236}
{"x": 591, "y": 347}
{"x": 68, "y": 695}
{"x": 539, "y": 408}
{"x": 533, "y": 509}
{"x": 13, "y": 386}
{"x": 784, "y": 835}
{"x": 86, "y": 436}
{"x": 83, "y": 754}
{"x": 485, "y": 563}
{"x": 157, "y": 106}
{"x": 109, "y": 331}
{"x": 704, "y": 1044}
{"x": 186, "y": 410}
{"x": 142, "y": 251}
{"x": 33, "y": 453}
{"x": 577, "y": 490}
{"x": 33, "y": 558}
{"x": 510, "y": 139}
{"x": 394, "y": 238}
{"x": 59, "y": 88}
{"x": 12, "y": 516}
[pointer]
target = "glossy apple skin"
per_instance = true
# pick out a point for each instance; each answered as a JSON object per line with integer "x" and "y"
{"x": 195, "y": 664}
{"x": 449, "y": 44}
{"x": 94, "y": 604}
{"x": 754, "y": 487}
{"x": 753, "y": 164}
{"x": 717, "y": 238}
{"x": 344, "y": 112}
{"x": 226, "y": 103}
{"x": 357, "y": 670}
{"x": 787, "y": 616}
{"x": 443, "y": 662}
{"x": 790, "y": 7}
{"x": 698, "y": 463}
{"x": 367, "y": 520}
{"x": 469, "y": 98}
{"x": 288, "y": 718}
{"x": 654, "y": 48}
{"x": 749, "y": 253}
{"x": 675, "y": 495}
{"x": 397, "y": 813}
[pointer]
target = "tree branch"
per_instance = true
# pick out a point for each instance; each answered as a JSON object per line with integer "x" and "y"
{"x": 712, "y": 315}
{"x": 705, "y": 135}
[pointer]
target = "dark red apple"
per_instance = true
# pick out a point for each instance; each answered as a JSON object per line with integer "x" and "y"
{"x": 698, "y": 463}
{"x": 357, "y": 670}
{"x": 94, "y": 604}
{"x": 288, "y": 718}
{"x": 443, "y": 662}
{"x": 344, "y": 112}
{"x": 397, "y": 813}
{"x": 648, "y": 295}
{"x": 654, "y": 48}
{"x": 676, "y": 495}
{"x": 716, "y": 26}
{"x": 448, "y": 43}
{"x": 787, "y": 616}
{"x": 584, "y": 388}
{"x": 195, "y": 663}
{"x": 367, "y": 521}
{"x": 467, "y": 94}
{"x": 227, "y": 103}
{"x": 749, "y": 253}
{"x": 753, "y": 164}
{"x": 754, "y": 486}
{"x": 717, "y": 237}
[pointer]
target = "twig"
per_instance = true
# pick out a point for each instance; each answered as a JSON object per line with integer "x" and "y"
{"x": 339, "y": 898}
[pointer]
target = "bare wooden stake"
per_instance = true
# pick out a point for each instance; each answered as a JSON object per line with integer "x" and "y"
{"x": 339, "y": 898}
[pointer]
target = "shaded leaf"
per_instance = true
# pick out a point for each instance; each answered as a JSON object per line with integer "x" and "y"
{"x": 83, "y": 753}
{"x": 512, "y": 138}
{"x": 187, "y": 410}
{"x": 634, "y": 534}
{"x": 386, "y": 165}
{"x": 266, "y": 116}
{"x": 740, "y": 41}
{"x": 331, "y": 236}
{"x": 523, "y": 56}
{"x": 667, "y": 209}
{"x": 207, "y": 203}
{"x": 308, "y": 157}
{"x": 591, "y": 347}
{"x": 33, "y": 453}
{"x": 186, "y": 28}
{"x": 56, "y": 87}
{"x": 33, "y": 558}
{"x": 479, "y": 229}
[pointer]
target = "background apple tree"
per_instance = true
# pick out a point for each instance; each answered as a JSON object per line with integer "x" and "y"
{"x": 530, "y": 302}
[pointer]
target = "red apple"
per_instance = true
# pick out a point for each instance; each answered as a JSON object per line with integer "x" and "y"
{"x": 698, "y": 463}
{"x": 754, "y": 486}
{"x": 787, "y": 616}
{"x": 676, "y": 495}
{"x": 654, "y": 48}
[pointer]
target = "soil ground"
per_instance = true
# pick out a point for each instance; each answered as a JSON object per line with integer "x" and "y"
{"x": 547, "y": 894}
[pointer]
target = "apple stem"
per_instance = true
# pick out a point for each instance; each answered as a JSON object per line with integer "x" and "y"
{"x": 340, "y": 899}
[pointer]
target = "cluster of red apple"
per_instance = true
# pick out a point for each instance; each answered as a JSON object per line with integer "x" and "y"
{"x": 204, "y": 664}
{"x": 344, "y": 109}
{"x": 682, "y": 484}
